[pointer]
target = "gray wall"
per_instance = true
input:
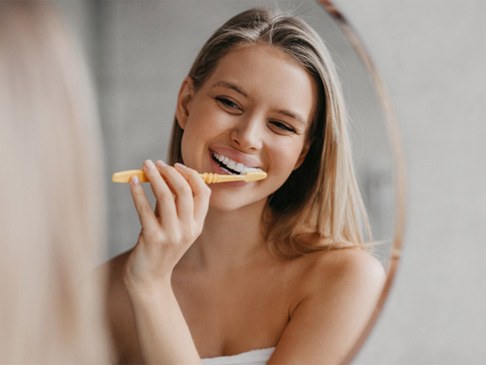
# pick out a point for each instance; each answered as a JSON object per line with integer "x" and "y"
{"x": 432, "y": 55}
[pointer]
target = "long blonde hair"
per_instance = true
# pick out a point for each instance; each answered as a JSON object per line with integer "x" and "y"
{"x": 319, "y": 206}
{"x": 51, "y": 212}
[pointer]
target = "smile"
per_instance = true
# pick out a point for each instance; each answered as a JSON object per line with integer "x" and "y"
{"x": 231, "y": 166}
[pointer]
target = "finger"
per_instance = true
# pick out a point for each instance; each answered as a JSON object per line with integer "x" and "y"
{"x": 180, "y": 188}
{"x": 200, "y": 190}
{"x": 142, "y": 206}
{"x": 166, "y": 209}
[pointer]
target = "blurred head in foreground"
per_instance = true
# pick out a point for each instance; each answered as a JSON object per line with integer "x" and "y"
{"x": 51, "y": 211}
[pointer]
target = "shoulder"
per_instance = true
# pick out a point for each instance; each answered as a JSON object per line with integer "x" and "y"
{"x": 354, "y": 265}
{"x": 345, "y": 277}
{"x": 344, "y": 266}
{"x": 119, "y": 312}
{"x": 114, "y": 268}
{"x": 335, "y": 292}
{"x": 117, "y": 299}
{"x": 116, "y": 295}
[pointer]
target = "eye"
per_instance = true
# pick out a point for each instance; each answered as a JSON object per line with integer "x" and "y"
{"x": 228, "y": 104}
{"x": 282, "y": 127}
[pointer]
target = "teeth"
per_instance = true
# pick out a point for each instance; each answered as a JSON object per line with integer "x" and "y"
{"x": 233, "y": 165}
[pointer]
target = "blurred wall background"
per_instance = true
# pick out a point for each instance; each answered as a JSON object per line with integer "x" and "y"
{"x": 432, "y": 57}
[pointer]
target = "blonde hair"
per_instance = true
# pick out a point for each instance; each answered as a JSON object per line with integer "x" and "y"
{"x": 51, "y": 215}
{"x": 319, "y": 206}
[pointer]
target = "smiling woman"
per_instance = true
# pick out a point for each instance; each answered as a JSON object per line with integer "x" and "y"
{"x": 277, "y": 267}
{"x": 244, "y": 101}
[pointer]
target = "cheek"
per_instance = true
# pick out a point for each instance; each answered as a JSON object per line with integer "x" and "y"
{"x": 190, "y": 144}
{"x": 282, "y": 164}
{"x": 286, "y": 158}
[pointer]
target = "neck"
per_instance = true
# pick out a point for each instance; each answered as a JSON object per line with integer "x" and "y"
{"x": 229, "y": 239}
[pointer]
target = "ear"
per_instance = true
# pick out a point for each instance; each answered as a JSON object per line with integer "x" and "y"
{"x": 302, "y": 156}
{"x": 186, "y": 93}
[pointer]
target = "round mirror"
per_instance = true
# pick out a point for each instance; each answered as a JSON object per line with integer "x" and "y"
{"x": 141, "y": 51}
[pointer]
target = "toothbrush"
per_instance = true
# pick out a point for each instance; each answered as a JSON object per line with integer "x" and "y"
{"x": 209, "y": 178}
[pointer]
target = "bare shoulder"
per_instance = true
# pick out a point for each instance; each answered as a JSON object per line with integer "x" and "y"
{"x": 117, "y": 299}
{"x": 114, "y": 273}
{"x": 357, "y": 263}
{"x": 115, "y": 267}
{"x": 335, "y": 294}
{"x": 346, "y": 282}
{"x": 119, "y": 312}
{"x": 342, "y": 268}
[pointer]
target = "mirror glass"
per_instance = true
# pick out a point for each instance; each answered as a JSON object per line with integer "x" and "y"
{"x": 140, "y": 51}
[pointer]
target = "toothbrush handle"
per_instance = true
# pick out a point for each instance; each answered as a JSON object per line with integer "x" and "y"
{"x": 124, "y": 176}
{"x": 209, "y": 178}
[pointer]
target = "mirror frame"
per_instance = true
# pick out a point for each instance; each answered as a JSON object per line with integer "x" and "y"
{"x": 391, "y": 125}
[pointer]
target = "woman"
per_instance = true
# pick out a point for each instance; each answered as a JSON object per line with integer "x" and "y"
{"x": 50, "y": 212}
{"x": 276, "y": 268}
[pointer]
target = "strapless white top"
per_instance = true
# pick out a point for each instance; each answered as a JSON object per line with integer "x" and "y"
{"x": 253, "y": 357}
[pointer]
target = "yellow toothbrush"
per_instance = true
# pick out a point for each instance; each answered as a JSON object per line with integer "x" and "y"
{"x": 209, "y": 178}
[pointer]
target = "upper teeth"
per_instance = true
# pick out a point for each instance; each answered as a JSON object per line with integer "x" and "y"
{"x": 233, "y": 165}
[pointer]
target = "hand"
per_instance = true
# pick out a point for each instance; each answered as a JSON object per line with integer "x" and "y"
{"x": 182, "y": 204}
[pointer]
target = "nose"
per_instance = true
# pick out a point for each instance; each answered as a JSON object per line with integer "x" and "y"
{"x": 247, "y": 134}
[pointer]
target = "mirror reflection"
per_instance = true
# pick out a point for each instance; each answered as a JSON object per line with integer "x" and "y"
{"x": 141, "y": 53}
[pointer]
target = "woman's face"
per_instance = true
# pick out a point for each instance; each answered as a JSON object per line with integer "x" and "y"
{"x": 253, "y": 111}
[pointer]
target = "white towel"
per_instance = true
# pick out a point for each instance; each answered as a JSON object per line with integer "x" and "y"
{"x": 253, "y": 357}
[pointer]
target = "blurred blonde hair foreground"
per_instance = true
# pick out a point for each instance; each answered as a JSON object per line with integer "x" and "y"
{"x": 51, "y": 214}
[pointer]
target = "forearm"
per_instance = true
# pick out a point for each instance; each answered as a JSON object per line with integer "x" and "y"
{"x": 164, "y": 335}
{"x": 167, "y": 232}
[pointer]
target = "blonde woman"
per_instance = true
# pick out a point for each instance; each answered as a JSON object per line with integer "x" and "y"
{"x": 273, "y": 271}
{"x": 51, "y": 210}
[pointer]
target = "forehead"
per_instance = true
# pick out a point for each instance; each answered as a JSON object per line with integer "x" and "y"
{"x": 267, "y": 74}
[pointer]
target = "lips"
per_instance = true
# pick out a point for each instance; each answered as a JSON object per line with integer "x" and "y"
{"x": 230, "y": 165}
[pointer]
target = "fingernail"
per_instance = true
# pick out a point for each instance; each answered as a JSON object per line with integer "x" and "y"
{"x": 135, "y": 180}
{"x": 161, "y": 163}
{"x": 149, "y": 164}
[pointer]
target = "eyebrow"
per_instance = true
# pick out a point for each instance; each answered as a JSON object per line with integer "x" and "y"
{"x": 292, "y": 115}
{"x": 231, "y": 85}
{"x": 240, "y": 90}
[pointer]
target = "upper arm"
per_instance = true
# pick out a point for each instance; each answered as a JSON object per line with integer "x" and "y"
{"x": 341, "y": 292}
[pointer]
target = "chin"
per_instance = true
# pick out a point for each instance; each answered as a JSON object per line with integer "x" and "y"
{"x": 224, "y": 205}
{"x": 234, "y": 202}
